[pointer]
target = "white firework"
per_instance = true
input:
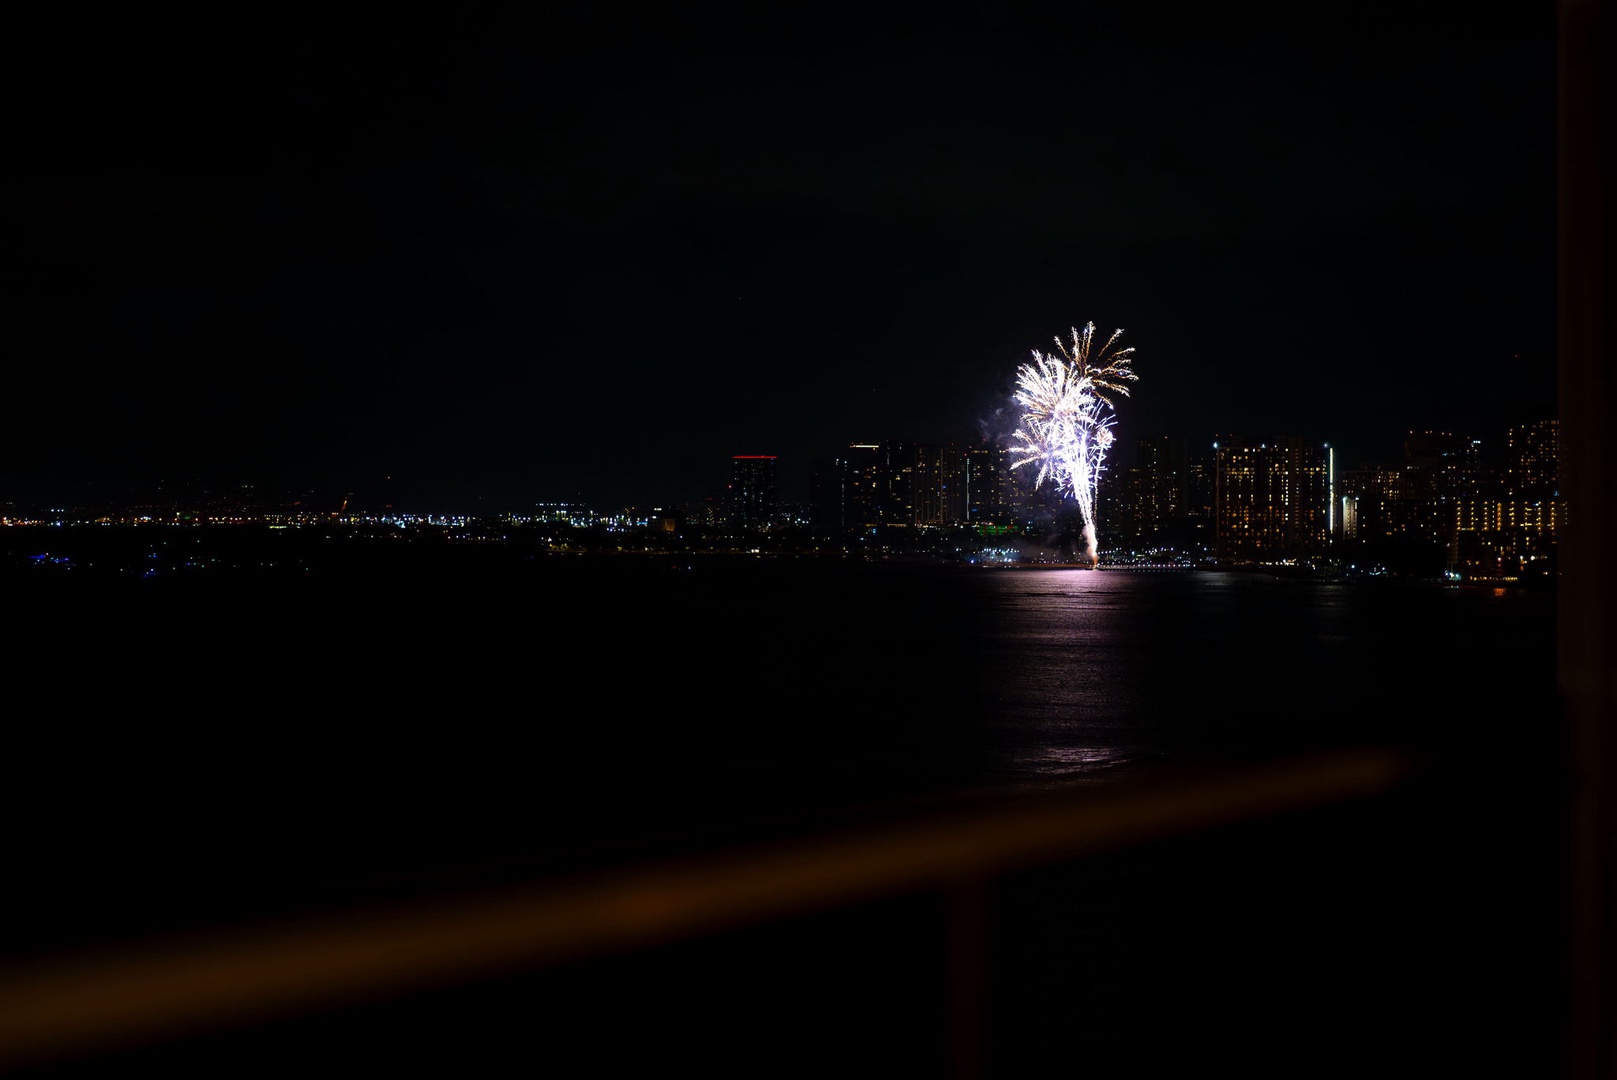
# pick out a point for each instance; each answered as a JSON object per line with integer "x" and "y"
{"x": 1067, "y": 418}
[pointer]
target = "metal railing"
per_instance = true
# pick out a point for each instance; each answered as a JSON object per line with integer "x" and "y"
{"x": 181, "y": 986}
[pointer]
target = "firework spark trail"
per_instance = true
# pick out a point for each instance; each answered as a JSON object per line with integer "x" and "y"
{"x": 1067, "y": 417}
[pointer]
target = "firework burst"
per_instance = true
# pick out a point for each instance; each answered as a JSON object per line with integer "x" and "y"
{"x": 1067, "y": 416}
{"x": 1108, "y": 371}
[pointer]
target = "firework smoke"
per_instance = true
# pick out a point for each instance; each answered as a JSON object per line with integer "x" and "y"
{"x": 1067, "y": 416}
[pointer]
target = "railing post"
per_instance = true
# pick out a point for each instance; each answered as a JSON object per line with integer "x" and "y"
{"x": 1587, "y": 592}
{"x": 968, "y": 973}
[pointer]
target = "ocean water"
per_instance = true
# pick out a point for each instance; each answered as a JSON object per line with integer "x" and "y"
{"x": 212, "y": 749}
{"x": 373, "y": 715}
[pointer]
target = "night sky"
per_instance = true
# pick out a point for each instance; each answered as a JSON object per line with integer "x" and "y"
{"x": 587, "y": 251}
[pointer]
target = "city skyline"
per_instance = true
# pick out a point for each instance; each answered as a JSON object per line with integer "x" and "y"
{"x": 609, "y": 253}
{"x": 194, "y": 492}
{"x": 1444, "y": 511}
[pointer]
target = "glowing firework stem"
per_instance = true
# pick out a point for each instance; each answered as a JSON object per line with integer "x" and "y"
{"x": 1067, "y": 417}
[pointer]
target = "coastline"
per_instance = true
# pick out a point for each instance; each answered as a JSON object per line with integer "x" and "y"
{"x": 104, "y": 553}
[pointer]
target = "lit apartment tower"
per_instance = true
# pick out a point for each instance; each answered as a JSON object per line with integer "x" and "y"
{"x": 900, "y": 481}
{"x": 988, "y": 484}
{"x": 1272, "y": 498}
{"x": 862, "y": 481}
{"x": 1509, "y": 527}
{"x": 900, "y": 485}
{"x": 1443, "y": 476}
{"x": 753, "y": 499}
{"x": 1541, "y": 517}
{"x": 825, "y": 496}
{"x": 1151, "y": 496}
{"x": 928, "y": 486}
{"x": 1200, "y": 497}
{"x": 1438, "y": 467}
{"x": 938, "y": 488}
{"x": 1118, "y": 502}
{"x": 1367, "y": 499}
{"x": 1532, "y": 457}
{"x": 1028, "y": 499}
{"x": 1532, "y": 510}
{"x": 918, "y": 484}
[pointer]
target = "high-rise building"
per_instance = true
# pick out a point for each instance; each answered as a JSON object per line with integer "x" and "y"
{"x": 1149, "y": 498}
{"x": 1367, "y": 500}
{"x": 1443, "y": 485}
{"x": 1272, "y": 498}
{"x": 900, "y": 484}
{"x": 1507, "y": 529}
{"x": 862, "y": 480}
{"x": 825, "y": 496}
{"x": 1200, "y": 499}
{"x": 1532, "y": 511}
{"x": 1532, "y": 458}
{"x": 939, "y": 489}
{"x": 895, "y": 487}
{"x": 753, "y": 497}
{"x": 988, "y": 484}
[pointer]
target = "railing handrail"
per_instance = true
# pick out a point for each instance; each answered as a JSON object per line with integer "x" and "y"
{"x": 176, "y": 986}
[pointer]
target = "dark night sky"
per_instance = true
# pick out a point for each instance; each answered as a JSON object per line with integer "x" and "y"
{"x": 504, "y": 257}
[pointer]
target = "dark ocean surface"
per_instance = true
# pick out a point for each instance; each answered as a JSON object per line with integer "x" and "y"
{"x": 193, "y": 749}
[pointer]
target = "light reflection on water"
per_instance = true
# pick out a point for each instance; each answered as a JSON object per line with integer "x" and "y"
{"x": 1083, "y": 671}
{"x": 646, "y": 692}
{"x": 1052, "y": 763}
{"x": 655, "y": 701}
